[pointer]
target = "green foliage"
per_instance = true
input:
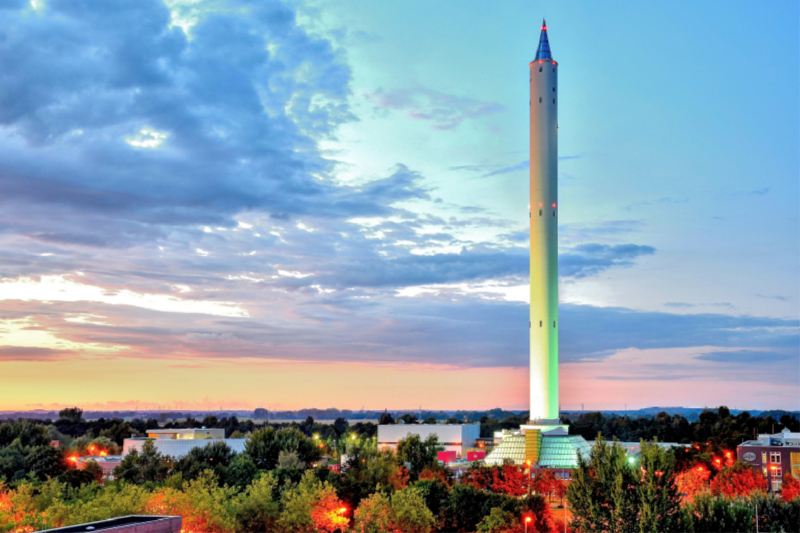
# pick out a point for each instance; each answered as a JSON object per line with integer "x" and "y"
{"x": 257, "y": 509}
{"x": 436, "y": 495}
{"x": 241, "y": 472}
{"x": 499, "y": 521}
{"x": 410, "y": 514}
{"x": 374, "y": 515}
{"x": 368, "y": 470}
{"x": 139, "y": 468}
{"x": 215, "y": 457}
{"x": 73, "y": 414}
{"x": 26, "y": 433}
{"x": 311, "y": 506}
{"x": 265, "y": 445}
{"x": 418, "y": 454}
{"x": 607, "y": 493}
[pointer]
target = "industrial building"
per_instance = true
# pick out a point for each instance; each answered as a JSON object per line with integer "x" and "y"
{"x": 773, "y": 455}
{"x": 458, "y": 438}
{"x": 177, "y": 443}
{"x": 543, "y": 442}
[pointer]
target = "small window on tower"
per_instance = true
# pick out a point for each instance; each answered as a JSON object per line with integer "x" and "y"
{"x": 554, "y": 100}
{"x": 540, "y": 212}
{"x": 540, "y": 69}
{"x": 540, "y": 323}
{"x": 554, "y": 323}
{"x": 540, "y": 99}
{"x": 554, "y": 213}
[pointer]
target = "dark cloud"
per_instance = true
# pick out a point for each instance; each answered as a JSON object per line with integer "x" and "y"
{"x": 239, "y": 122}
{"x": 587, "y": 330}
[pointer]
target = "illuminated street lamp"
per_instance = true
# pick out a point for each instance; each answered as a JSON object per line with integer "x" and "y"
{"x": 527, "y": 521}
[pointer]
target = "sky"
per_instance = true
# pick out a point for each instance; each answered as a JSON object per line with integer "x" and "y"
{"x": 232, "y": 204}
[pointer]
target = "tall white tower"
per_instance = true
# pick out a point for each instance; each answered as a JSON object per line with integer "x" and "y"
{"x": 544, "y": 235}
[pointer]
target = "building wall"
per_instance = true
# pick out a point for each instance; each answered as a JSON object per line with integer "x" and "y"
{"x": 178, "y": 448}
{"x": 452, "y": 437}
{"x": 763, "y": 458}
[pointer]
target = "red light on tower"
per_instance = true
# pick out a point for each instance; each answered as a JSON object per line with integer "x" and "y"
{"x": 554, "y": 206}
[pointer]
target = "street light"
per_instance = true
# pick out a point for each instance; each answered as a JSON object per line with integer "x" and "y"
{"x": 527, "y": 521}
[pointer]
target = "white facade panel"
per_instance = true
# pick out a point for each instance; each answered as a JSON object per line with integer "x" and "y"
{"x": 177, "y": 448}
{"x": 452, "y": 437}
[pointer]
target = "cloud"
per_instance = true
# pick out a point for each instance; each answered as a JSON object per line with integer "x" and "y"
{"x": 27, "y": 353}
{"x": 63, "y": 289}
{"x": 679, "y": 305}
{"x": 586, "y": 260}
{"x": 444, "y": 111}
{"x": 749, "y": 357}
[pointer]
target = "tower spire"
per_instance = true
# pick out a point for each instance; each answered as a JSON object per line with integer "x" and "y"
{"x": 543, "y": 52}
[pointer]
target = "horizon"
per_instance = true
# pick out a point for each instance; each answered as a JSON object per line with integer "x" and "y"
{"x": 254, "y": 204}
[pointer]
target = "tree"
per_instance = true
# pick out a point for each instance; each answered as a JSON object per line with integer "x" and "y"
{"x": 436, "y": 495}
{"x": 739, "y": 480}
{"x": 790, "y": 489}
{"x": 241, "y": 471}
{"x": 386, "y": 418}
{"x": 45, "y": 462}
{"x": 257, "y": 511}
{"x": 374, "y": 515}
{"x": 260, "y": 414}
{"x": 499, "y": 521}
{"x": 603, "y": 492}
{"x": 265, "y": 445}
{"x": 418, "y": 454}
{"x": 693, "y": 482}
{"x": 659, "y": 502}
{"x": 410, "y": 515}
{"x": 73, "y": 414}
{"x": 710, "y": 514}
{"x": 203, "y": 504}
{"x": 341, "y": 425}
{"x": 149, "y": 465}
{"x": 215, "y": 456}
{"x": 312, "y": 506}
{"x": 429, "y": 420}
{"x": 94, "y": 469}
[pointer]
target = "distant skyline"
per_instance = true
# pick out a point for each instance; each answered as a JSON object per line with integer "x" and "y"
{"x": 324, "y": 204}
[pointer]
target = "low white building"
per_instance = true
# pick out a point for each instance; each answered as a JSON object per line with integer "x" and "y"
{"x": 452, "y": 437}
{"x": 177, "y": 443}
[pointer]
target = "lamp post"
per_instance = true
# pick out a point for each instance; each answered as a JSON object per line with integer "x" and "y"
{"x": 527, "y": 521}
{"x": 565, "y": 515}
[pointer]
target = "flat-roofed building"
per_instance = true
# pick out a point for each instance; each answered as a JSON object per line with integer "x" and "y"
{"x": 186, "y": 434}
{"x": 773, "y": 455}
{"x": 177, "y": 448}
{"x": 452, "y": 437}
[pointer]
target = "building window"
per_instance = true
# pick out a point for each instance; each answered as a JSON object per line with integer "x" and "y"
{"x": 554, "y": 100}
{"x": 554, "y": 213}
{"x": 764, "y": 457}
{"x": 777, "y": 473}
{"x": 554, "y": 323}
{"x": 554, "y": 89}
{"x": 775, "y": 457}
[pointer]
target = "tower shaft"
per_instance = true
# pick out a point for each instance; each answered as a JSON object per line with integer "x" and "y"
{"x": 544, "y": 236}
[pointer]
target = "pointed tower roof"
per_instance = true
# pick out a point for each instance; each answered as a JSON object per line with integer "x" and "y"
{"x": 543, "y": 52}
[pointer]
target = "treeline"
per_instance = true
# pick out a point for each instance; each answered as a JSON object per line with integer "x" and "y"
{"x": 715, "y": 426}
